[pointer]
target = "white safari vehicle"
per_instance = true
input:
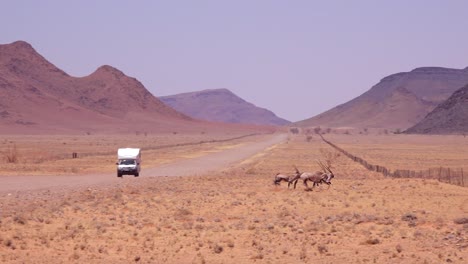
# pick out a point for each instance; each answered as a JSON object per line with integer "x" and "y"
{"x": 129, "y": 161}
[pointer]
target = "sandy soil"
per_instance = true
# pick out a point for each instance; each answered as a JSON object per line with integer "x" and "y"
{"x": 237, "y": 215}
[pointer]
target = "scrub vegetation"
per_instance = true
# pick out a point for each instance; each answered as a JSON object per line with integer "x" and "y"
{"x": 239, "y": 216}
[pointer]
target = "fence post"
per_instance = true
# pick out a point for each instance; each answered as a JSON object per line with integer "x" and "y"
{"x": 463, "y": 180}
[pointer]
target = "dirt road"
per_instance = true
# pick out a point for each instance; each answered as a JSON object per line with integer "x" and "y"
{"x": 193, "y": 166}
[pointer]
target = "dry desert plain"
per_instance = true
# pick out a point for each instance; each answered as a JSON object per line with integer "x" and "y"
{"x": 237, "y": 215}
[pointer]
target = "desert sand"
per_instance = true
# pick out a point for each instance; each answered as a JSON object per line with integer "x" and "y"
{"x": 236, "y": 214}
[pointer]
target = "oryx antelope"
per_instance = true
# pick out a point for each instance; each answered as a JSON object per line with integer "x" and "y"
{"x": 287, "y": 178}
{"x": 316, "y": 178}
{"x": 281, "y": 177}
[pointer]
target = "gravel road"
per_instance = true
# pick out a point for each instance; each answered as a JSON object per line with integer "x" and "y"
{"x": 199, "y": 165}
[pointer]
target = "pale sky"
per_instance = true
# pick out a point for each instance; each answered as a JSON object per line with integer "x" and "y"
{"x": 296, "y": 58}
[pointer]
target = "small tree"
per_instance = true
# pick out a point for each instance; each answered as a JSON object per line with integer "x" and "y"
{"x": 294, "y": 130}
{"x": 317, "y": 130}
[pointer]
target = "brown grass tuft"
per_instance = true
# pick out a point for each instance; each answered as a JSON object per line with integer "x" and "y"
{"x": 11, "y": 154}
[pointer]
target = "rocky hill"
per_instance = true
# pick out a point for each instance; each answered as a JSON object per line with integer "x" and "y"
{"x": 35, "y": 96}
{"x": 449, "y": 117}
{"x": 221, "y": 105}
{"x": 396, "y": 102}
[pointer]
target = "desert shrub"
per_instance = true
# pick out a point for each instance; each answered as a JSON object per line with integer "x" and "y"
{"x": 322, "y": 249}
{"x": 218, "y": 249}
{"x": 294, "y": 130}
{"x": 11, "y": 154}
{"x": 372, "y": 241}
{"x": 250, "y": 171}
{"x": 399, "y": 248}
{"x": 9, "y": 243}
{"x": 182, "y": 213}
{"x": 19, "y": 219}
{"x": 461, "y": 221}
{"x": 409, "y": 217}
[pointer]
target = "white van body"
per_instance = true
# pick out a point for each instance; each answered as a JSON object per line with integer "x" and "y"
{"x": 129, "y": 161}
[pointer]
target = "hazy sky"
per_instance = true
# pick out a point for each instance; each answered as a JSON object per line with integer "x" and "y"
{"x": 296, "y": 58}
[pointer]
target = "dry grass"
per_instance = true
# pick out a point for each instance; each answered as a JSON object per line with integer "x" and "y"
{"x": 239, "y": 216}
{"x": 11, "y": 154}
{"x": 42, "y": 155}
{"x": 410, "y": 152}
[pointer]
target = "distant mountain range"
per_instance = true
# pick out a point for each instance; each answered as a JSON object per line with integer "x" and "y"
{"x": 38, "y": 97}
{"x": 221, "y": 105}
{"x": 398, "y": 101}
{"x": 449, "y": 117}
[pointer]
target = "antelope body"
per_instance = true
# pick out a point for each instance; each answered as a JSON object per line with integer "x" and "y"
{"x": 316, "y": 178}
{"x": 282, "y": 177}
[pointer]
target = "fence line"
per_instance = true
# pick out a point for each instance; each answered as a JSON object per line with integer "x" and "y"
{"x": 447, "y": 175}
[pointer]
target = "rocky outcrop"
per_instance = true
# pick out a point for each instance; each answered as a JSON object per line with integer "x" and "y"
{"x": 449, "y": 117}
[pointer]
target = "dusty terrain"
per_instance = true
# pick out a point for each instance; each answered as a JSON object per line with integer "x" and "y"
{"x": 181, "y": 161}
{"x": 237, "y": 215}
{"x": 45, "y": 155}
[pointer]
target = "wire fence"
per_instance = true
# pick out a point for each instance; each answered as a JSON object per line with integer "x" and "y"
{"x": 442, "y": 174}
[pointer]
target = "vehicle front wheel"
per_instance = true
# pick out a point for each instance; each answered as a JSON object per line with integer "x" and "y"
{"x": 137, "y": 174}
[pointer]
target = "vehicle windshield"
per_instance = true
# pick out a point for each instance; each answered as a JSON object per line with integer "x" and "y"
{"x": 127, "y": 162}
